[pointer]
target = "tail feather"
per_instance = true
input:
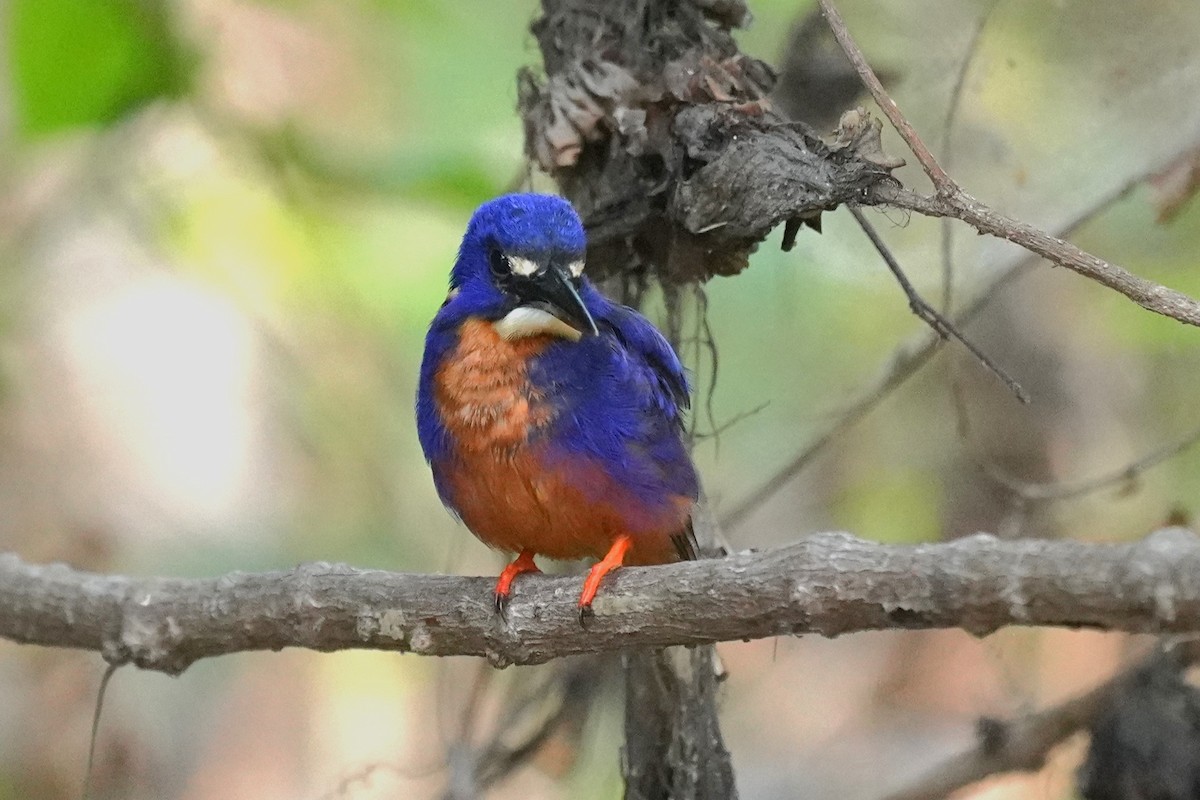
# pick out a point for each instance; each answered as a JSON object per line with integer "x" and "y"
{"x": 685, "y": 543}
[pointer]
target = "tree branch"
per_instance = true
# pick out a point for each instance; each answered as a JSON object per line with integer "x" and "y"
{"x": 1022, "y": 744}
{"x": 829, "y": 584}
{"x": 910, "y": 356}
{"x": 951, "y": 201}
{"x": 962, "y": 206}
{"x": 930, "y": 315}
{"x": 941, "y": 181}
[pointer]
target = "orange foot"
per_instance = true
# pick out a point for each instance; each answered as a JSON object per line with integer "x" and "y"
{"x": 523, "y": 563}
{"x": 614, "y": 559}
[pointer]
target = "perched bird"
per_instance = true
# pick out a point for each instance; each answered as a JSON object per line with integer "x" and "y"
{"x": 551, "y": 416}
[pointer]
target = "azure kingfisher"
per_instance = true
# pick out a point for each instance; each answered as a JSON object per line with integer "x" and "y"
{"x": 552, "y": 417}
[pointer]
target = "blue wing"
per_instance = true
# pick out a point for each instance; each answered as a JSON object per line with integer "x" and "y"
{"x": 621, "y": 398}
{"x": 641, "y": 338}
{"x": 651, "y": 354}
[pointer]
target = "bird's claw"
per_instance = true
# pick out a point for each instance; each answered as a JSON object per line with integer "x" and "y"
{"x": 585, "y": 614}
{"x": 501, "y": 602}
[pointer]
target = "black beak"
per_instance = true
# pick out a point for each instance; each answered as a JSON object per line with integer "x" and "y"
{"x": 554, "y": 288}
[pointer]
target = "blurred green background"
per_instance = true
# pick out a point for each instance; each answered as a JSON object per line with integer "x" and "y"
{"x": 224, "y": 227}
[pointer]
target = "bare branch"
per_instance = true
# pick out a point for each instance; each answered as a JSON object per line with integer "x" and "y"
{"x": 561, "y": 701}
{"x": 956, "y": 95}
{"x": 905, "y": 361}
{"x": 951, "y": 201}
{"x": 962, "y": 206}
{"x": 828, "y": 584}
{"x": 1021, "y": 745}
{"x": 1041, "y": 492}
{"x": 930, "y": 315}
{"x": 941, "y": 181}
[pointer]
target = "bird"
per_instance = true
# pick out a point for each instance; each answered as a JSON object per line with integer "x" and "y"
{"x": 552, "y": 417}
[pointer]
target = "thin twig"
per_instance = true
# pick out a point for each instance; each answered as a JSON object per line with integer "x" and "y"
{"x": 947, "y": 146}
{"x": 1040, "y": 492}
{"x": 91, "y": 759}
{"x": 741, "y": 416}
{"x": 704, "y": 342}
{"x": 1022, "y": 745}
{"x": 927, "y": 313}
{"x": 709, "y": 341}
{"x": 906, "y": 360}
{"x": 941, "y": 181}
{"x": 363, "y": 775}
{"x": 951, "y": 201}
{"x": 962, "y": 206}
{"x": 563, "y": 700}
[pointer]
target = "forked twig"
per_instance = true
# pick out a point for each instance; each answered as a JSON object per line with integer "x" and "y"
{"x": 941, "y": 181}
{"x": 1147, "y": 294}
{"x": 910, "y": 357}
{"x": 927, "y": 313}
{"x": 906, "y": 361}
{"x": 951, "y": 201}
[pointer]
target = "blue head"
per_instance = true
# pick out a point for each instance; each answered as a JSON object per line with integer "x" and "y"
{"x": 521, "y": 251}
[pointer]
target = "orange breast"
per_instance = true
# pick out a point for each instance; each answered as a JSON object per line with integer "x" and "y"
{"x": 499, "y": 483}
{"x": 483, "y": 392}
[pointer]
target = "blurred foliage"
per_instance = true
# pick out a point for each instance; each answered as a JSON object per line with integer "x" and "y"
{"x": 90, "y": 62}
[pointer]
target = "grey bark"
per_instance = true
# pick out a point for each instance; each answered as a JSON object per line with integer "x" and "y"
{"x": 830, "y": 584}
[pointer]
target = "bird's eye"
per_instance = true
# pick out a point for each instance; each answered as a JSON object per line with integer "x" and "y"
{"x": 499, "y": 264}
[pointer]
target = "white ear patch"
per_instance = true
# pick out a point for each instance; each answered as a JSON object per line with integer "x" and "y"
{"x": 576, "y": 268}
{"x": 525, "y": 321}
{"x": 522, "y": 266}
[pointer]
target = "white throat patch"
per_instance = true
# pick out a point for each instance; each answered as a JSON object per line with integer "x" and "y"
{"x": 526, "y": 321}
